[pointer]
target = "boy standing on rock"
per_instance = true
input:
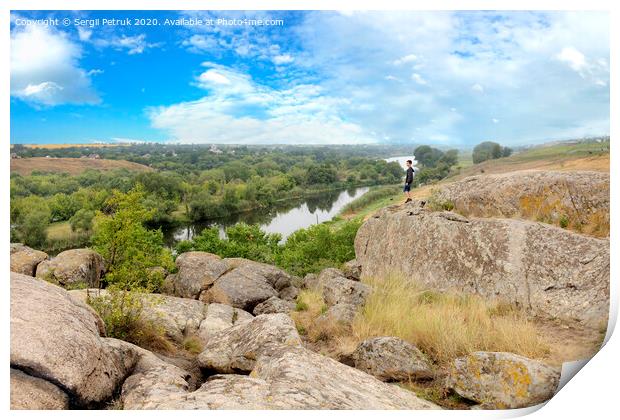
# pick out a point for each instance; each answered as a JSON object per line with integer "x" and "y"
{"x": 408, "y": 181}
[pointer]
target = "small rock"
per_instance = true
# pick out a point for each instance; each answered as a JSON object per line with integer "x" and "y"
{"x": 338, "y": 289}
{"x": 352, "y": 270}
{"x": 197, "y": 272}
{"x": 391, "y": 359}
{"x": 276, "y": 277}
{"x": 343, "y": 313}
{"x": 274, "y": 305}
{"x": 289, "y": 293}
{"x": 240, "y": 288}
{"x": 503, "y": 380}
{"x": 219, "y": 317}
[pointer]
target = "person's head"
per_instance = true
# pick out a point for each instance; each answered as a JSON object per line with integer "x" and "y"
{"x": 409, "y": 164}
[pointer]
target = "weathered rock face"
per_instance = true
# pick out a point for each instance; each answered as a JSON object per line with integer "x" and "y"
{"x": 277, "y": 278}
{"x": 219, "y": 317}
{"x": 583, "y": 193}
{"x": 547, "y": 270}
{"x": 236, "y": 349}
{"x": 240, "y": 288}
{"x": 178, "y": 317}
{"x": 72, "y": 268}
{"x": 343, "y": 313}
{"x": 24, "y": 260}
{"x": 390, "y": 359}
{"x": 352, "y": 270}
{"x": 503, "y": 380}
{"x": 274, "y": 305}
{"x": 30, "y": 393}
{"x": 311, "y": 381}
{"x": 197, "y": 272}
{"x": 55, "y": 338}
{"x": 289, "y": 293}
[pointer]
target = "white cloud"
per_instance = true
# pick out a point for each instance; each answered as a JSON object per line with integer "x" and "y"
{"x": 406, "y": 59}
{"x": 573, "y": 57}
{"x": 84, "y": 34}
{"x": 418, "y": 79}
{"x": 93, "y": 72}
{"x": 45, "y": 68}
{"x": 135, "y": 44}
{"x": 495, "y": 120}
{"x": 200, "y": 43}
{"x": 239, "y": 110}
{"x": 282, "y": 59}
{"x": 477, "y": 87}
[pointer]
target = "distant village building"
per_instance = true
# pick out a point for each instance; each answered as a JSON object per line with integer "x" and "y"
{"x": 214, "y": 149}
{"x": 94, "y": 156}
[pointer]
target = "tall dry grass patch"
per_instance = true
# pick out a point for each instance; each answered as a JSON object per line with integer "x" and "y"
{"x": 444, "y": 325}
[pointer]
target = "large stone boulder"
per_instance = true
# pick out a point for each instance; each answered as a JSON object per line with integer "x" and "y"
{"x": 236, "y": 349}
{"x": 197, "y": 271}
{"x": 352, "y": 270}
{"x": 276, "y": 277}
{"x": 241, "y": 288}
{"x": 274, "y": 305}
{"x": 547, "y": 270}
{"x": 56, "y": 338}
{"x": 81, "y": 268}
{"x": 178, "y": 317}
{"x": 219, "y": 317}
{"x": 31, "y": 393}
{"x": 24, "y": 260}
{"x": 503, "y": 380}
{"x": 390, "y": 359}
{"x": 583, "y": 194}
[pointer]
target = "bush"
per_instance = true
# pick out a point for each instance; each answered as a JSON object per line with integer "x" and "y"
{"x": 489, "y": 150}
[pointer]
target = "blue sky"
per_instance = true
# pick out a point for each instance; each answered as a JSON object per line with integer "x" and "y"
{"x": 443, "y": 78}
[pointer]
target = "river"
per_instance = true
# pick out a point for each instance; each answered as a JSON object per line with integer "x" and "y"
{"x": 284, "y": 218}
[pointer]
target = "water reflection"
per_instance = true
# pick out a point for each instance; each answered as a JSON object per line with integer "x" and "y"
{"x": 284, "y": 218}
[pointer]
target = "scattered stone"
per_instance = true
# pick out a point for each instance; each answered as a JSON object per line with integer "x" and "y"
{"x": 391, "y": 359}
{"x": 274, "y": 305}
{"x": 30, "y": 393}
{"x": 197, "y": 271}
{"x": 56, "y": 338}
{"x": 352, "y": 270}
{"x": 343, "y": 313}
{"x": 311, "y": 281}
{"x": 236, "y": 349}
{"x": 24, "y": 260}
{"x": 503, "y": 380}
{"x": 240, "y": 288}
{"x": 338, "y": 289}
{"x": 81, "y": 268}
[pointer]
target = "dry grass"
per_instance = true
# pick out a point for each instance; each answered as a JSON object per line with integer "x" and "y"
{"x": 69, "y": 145}
{"x": 72, "y": 166}
{"x": 445, "y": 325}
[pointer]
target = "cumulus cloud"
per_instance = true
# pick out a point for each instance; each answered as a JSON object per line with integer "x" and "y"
{"x": 239, "y": 110}
{"x": 45, "y": 68}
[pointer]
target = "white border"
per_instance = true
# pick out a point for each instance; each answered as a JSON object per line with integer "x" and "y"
{"x": 592, "y": 395}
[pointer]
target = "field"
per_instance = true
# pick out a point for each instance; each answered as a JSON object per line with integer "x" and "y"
{"x": 72, "y": 166}
{"x": 67, "y": 145}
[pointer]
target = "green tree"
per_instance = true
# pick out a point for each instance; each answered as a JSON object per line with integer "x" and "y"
{"x": 427, "y": 156}
{"x": 486, "y": 150}
{"x": 82, "y": 221}
{"x": 128, "y": 247}
{"x": 30, "y": 218}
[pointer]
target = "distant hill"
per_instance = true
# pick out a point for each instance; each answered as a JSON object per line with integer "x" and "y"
{"x": 73, "y": 166}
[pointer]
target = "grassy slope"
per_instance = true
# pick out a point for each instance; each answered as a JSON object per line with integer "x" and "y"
{"x": 72, "y": 166}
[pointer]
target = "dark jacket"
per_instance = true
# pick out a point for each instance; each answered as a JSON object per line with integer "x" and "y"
{"x": 409, "y": 178}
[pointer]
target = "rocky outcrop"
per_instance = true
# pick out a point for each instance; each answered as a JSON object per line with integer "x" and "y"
{"x": 274, "y": 305}
{"x": 390, "y": 359}
{"x": 57, "y": 339}
{"x": 197, "y": 271}
{"x": 288, "y": 378}
{"x": 240, "y": 288}
{"x": 31, "y": 393}
{"x": 547, "y": 270}
{"x": 581, "y": 193}
{"x": 219, "y": 317}
{"x": 24, "y": 260}
{"x": 236, "y": 349}
{"x": 73, "y": 268}
{"x": 503, "y": 380}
